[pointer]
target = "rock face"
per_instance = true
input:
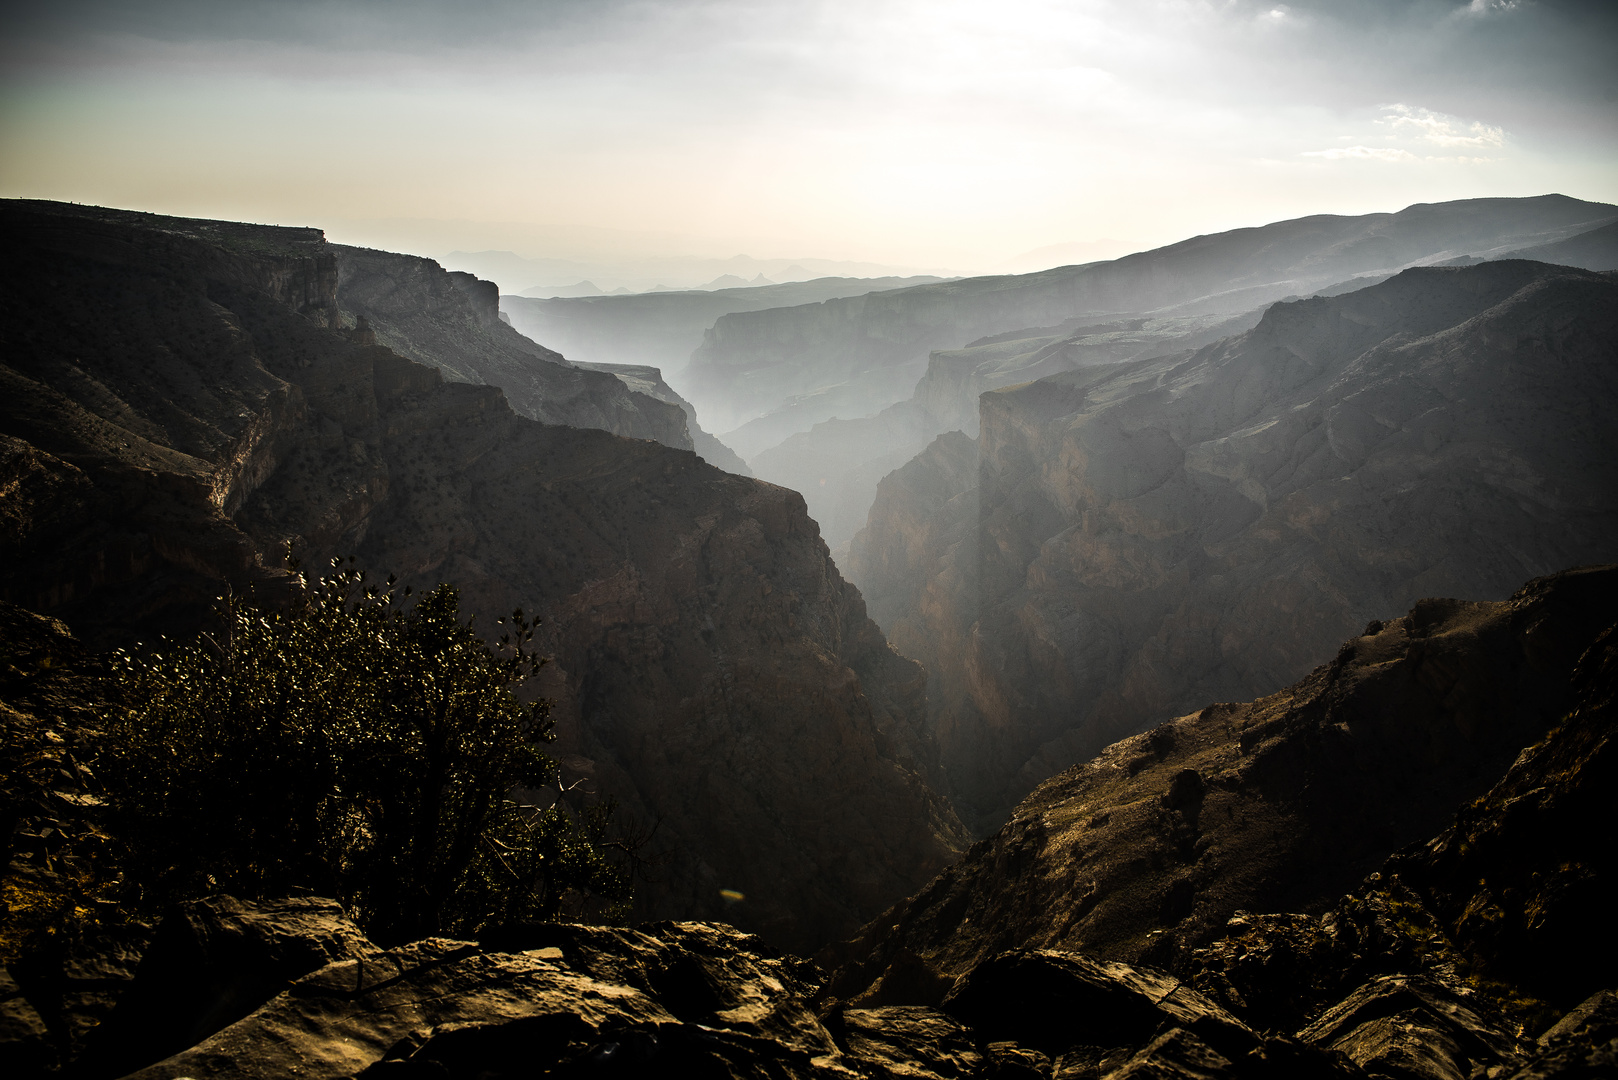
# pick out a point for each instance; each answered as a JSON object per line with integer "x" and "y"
{"x": 1151, "y": 850}
{"x": 1155, "y": 535}
{"x": 713, "y": 673}
{"x": 852, "y": 357}
{"x": 649, "y": 381}
{"x": 451, "y": 321}
{"x": 838, "y": 463}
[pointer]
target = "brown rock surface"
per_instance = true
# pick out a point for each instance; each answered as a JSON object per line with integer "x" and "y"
{"x": 1155, "y": 535}
{"x": 1281, "y": 804}
{"x": 713, "y": 672}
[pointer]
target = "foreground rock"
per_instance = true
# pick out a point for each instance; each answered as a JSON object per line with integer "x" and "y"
{"x": 702, "y": 1000}
{"x": 1152, "y": 536}
{"x": 181, "y": 403}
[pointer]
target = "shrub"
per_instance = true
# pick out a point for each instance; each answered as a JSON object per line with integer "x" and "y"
{"x": 356, "y": 746}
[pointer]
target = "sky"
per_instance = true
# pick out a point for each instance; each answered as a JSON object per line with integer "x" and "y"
{"x": 926, "y": 134}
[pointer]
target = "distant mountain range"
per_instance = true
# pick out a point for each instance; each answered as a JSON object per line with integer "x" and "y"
{"x": 914, "y": 360}
{"x": 529, "y": 276}
{"x": 661, "y": 328}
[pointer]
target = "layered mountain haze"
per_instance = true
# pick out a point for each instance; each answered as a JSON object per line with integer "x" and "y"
{"x": 838, "y": 463}
{"x": 183, "y": 401}
{"x": 683, "y": 551}
{"x": 1142, "y": 538}
{"x": 648, "y": 381}
{"x": 662, "y": 328}
{"x": 749, "y": 363}
{"x": 898, "y": 368}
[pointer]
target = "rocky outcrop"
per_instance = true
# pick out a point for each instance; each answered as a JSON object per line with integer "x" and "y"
{"x": 713, "y": 673}
{"x": 451, "y": 321}
{"x": 1154, "y": 848}
{"x": 1155, "y": 535}
{"x": 649, "y": 381}
{"x": 857, "y": 355}
{"x": 700, "y": 999}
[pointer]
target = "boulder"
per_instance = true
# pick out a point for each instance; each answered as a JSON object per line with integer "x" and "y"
{"x": 1050, "y": 1000}
{"x": 211, "y": 963}
{"x": 1414, "y": 1028}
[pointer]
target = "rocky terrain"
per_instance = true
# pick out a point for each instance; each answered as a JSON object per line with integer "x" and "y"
{"x": 1483, "y": 952}
{"x": 1144, "y": 853}
{"x": 182, "y": 402}
{"x": 1150, "y": 536}
{"x": 852, "y": 357}
{"x": 451, "y": 321}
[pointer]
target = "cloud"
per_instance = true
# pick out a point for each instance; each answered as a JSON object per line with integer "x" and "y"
{"x": 1363, "y": 153}
{"x": 1480, "y": 8}
{"x": 1442, "y": 130}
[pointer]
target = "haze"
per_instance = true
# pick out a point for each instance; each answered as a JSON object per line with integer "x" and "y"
{"x": 919, "y": 135}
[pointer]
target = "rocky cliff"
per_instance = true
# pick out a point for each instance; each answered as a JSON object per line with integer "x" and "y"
{"x": 451, "y": 321}
{"x": 649, "y": 381}
{"x": 852, "y": 357}
{"x": 837, "y": 463}
{"x": 1155, "y": 535}
{"x": 171, "y": 421}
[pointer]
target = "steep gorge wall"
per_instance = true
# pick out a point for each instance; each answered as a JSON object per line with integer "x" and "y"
{"x": 1156, "y": 535}
{"x": 713, "y": 672}
{"x": 838, "y": 463}
{"x": 451, "y": 321}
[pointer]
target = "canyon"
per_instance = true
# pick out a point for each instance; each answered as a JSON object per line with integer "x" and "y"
{"x": 186, "y": 401}
{"x": 1191, "y": 586}
{"x": 1132, "y": 541}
